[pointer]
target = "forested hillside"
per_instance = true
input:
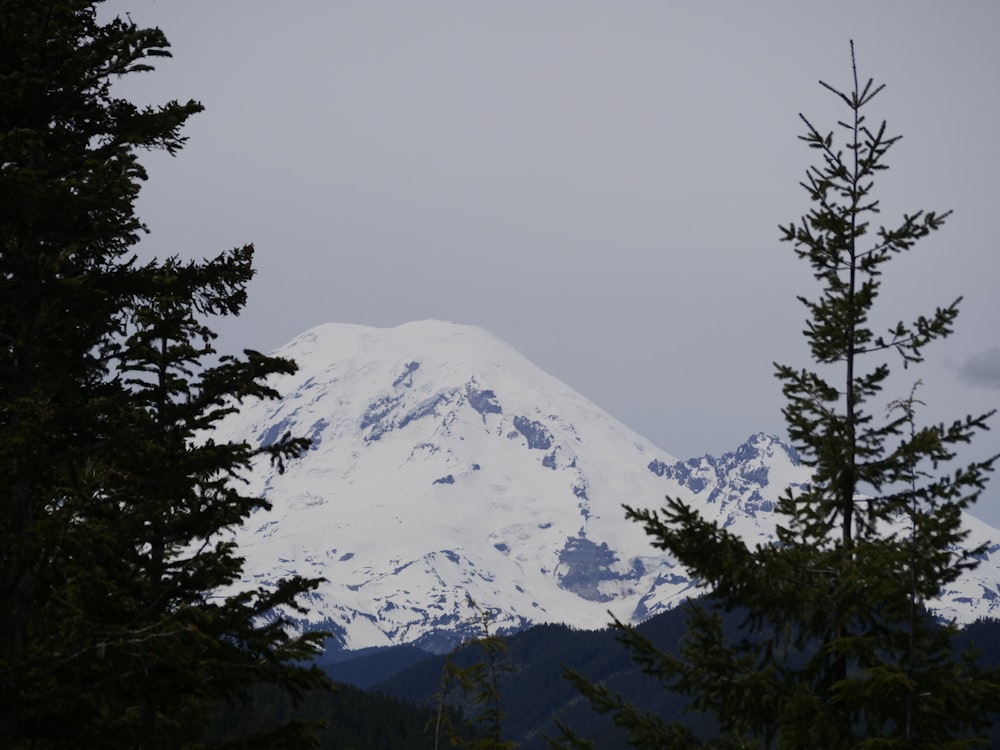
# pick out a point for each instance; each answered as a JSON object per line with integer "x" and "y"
{"x": 535, "y": 692}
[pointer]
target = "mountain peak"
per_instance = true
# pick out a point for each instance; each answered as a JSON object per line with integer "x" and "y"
{"x": 432, "y": 336}
{"x": 446, "y": 465}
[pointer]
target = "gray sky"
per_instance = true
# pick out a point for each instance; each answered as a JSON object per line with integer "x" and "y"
{"x": 597, "y": 183}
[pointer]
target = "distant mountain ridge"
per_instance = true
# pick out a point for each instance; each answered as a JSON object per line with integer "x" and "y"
{"x": 535, "y": 693}
{"x": 445, "y": 465}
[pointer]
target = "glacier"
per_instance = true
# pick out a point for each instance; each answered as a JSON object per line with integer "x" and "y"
{"x": 445, "y": 466}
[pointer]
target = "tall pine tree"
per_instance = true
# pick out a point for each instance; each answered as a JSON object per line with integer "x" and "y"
{"x": 837, "y": 648}
{"x": 120, "y": 620}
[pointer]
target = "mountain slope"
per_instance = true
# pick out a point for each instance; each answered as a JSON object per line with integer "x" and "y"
{"x": 445, "y": 465}
{"x": 535, "y": 693}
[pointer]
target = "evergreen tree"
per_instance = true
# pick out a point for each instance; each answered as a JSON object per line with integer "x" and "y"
{"x": 837, "y": 648}
{"x": 479, "y": 684}
{"x": 119, "y": 617}
{"x": 165, "y": 498}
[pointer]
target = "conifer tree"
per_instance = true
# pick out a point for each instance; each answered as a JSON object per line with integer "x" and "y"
{"x": 479, "y": 684}
{"x": 162, "y": 501}
{"x": 837, "y": 647}
{"x": 115, "y": 505}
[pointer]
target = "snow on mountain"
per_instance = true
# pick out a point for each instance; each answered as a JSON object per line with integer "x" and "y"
{"x": 445, "y": 465}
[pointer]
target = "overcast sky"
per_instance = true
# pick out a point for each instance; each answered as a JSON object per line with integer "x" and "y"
{"x": 597, "y": 183}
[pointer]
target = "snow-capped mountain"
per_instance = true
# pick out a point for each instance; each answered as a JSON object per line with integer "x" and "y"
{"x": 445, "y": 465}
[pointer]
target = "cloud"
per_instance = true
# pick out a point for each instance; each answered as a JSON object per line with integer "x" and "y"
{"x": 982, "y": 369}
